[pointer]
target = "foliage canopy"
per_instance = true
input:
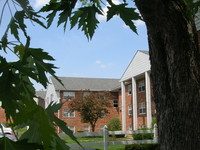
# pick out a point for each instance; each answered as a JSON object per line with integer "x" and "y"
{"x": 92, "y": 107}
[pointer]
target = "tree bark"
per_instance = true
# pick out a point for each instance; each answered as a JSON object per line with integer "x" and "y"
{"x": 175, "y": 72}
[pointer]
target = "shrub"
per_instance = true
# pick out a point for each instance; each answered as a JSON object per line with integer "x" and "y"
{"x": 142, "y": 147}
{"x": 143, "y": 136}
{"x": 114, "y": 124}
{"x": 80, "y": 131}
{"x": 154, "y": 121}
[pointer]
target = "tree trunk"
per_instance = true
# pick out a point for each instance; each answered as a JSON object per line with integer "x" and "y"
{"x": 175, "y": 72}
{"x": 93, "y": 126}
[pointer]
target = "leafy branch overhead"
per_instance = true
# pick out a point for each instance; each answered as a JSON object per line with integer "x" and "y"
{"x": 86, "y": 20}
{"x": 128, "y": 15}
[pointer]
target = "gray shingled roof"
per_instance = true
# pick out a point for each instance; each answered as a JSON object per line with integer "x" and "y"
{"x": 92, "y": 84}
{"x": 145, "y": 52}
{"x": 41, "y": 94}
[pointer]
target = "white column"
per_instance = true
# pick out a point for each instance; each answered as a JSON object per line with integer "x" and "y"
{"x": 148, "y": 99}
{"x": 134, "y": 100}
{"x": 123, "y": 106}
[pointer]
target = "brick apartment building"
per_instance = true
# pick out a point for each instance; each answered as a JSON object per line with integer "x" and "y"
{"x": 76, "y": 88}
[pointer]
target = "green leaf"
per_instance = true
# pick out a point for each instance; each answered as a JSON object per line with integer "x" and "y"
{"x": 14, "y": 28}
{"x": 86, "y": 19}
{"x": 128, "y": 15}
{"x": 63, "y": 18}
{"x": 51, "y": 110}
{"x": 50, "y": 18}
{"x": 42, "y": 67}
{"x": 19, "y": 16}
{"x": 4, "y": 41}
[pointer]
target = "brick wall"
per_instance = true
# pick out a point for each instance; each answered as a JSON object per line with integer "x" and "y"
{"x": 141, "y": 97}
{"x": 129, "y": 117}
{"x": 76, "y": 121}
{"x": 2, "y": 115}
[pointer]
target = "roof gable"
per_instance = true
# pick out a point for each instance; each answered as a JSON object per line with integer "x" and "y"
{"x": 138, "y": 65}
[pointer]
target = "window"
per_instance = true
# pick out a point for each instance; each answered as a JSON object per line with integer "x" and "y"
{"x": 86, "y": 94}
{"x": 129, "y": 89}
{"x": 68, "y": 114}
{"x": 142, "y": 108}
{"x": 115, "y": 102}
{"x": 130, "y": 110}
{"x": 68, "y": 95}
{"x": 72, "y": 128}
{"x": 141, "y": 86}
{"x": 102, "y": 115}
{"x": 130, "y": 128}
{"x": 86, "y": 128}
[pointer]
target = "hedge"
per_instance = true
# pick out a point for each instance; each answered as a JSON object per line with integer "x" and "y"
{"x": 143, "y": 136}
{"x": 142, "y": 147}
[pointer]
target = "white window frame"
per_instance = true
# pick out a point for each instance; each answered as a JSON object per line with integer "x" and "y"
{"x": 142, "y": 108}
{"x": 68, "y": 114}
{"x": 129, "y": 87}
{"x": 72, "y": 128}
{"x": 130, "y": 110}
{"x": 68, "y": 95}
{"x": 86, "y": 128}
{"x": 141, "y": 86}
{"x": 86, "y": 94}
{"x": 115, "y": 103}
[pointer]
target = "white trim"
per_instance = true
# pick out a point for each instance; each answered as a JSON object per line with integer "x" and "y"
{"x": 123, "y": 106}
{"x": 134, "y": 99}
{"x": 148, "y": 99}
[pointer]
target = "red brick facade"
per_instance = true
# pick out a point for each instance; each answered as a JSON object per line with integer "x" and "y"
{"x": 2, "y": 115}
{"x": 76, "y": 120}
{"x": 141, "y": 98}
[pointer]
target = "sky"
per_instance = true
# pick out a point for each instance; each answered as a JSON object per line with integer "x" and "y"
{"x": 107, "y": 55}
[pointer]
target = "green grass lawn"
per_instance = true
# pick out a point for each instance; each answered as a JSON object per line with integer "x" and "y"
{"x": 89, "y": 139}
{"x": 97, "y": 139}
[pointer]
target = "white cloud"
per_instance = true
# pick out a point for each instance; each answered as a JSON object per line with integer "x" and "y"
{"x": 139, "y": 23}
{"x": 103, "y": 66}
{"x": 40, "y": 3}
{"x": 97, "y": 62}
